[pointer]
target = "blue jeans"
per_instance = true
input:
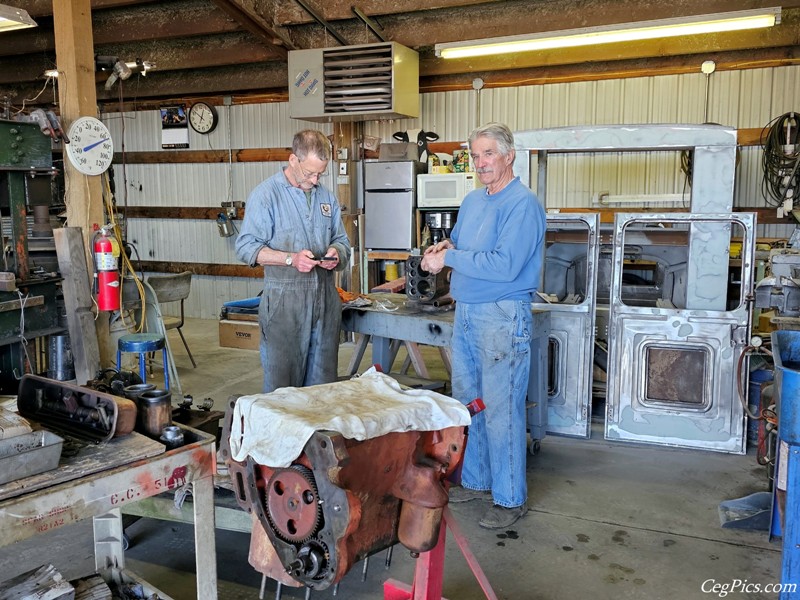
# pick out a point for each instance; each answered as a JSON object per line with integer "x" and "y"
{"x": 491, "y": 360}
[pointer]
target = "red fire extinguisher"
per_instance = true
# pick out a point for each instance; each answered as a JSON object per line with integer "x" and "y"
{"x": 106, "y": 270}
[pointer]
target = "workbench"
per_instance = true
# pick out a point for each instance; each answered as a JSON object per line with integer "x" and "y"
{"x": 100, "y": 479}
{"x": 392, "y": 319}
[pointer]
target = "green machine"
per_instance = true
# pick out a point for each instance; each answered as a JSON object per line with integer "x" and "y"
{"x": 29, "y": 287}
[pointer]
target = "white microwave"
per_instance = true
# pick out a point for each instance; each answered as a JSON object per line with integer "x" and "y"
{"x": 444, "y": 190}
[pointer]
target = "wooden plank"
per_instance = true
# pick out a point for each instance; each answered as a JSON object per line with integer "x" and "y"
{"x": 230, "y": 518}
{"x": 417, "y": 360}
{"x": 204, "y": 156}
{"x": 156, "y": 266}
{"x": 175, "y": 212}
{"x": 746, "y": 137}
{"x": 44, "y": 583}
{"x": 390, "y": 287}
{"x": 78, "y": 302}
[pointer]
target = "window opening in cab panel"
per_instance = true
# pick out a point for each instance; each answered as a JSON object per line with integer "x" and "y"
{"x": 656, "y": 259}
{"x": 565, "y": 271}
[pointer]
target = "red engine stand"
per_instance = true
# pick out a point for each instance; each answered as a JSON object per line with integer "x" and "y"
{"x": 429, "y": 572}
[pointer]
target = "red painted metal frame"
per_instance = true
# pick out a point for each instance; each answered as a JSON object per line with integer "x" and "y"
{"x": 429, "y": 572}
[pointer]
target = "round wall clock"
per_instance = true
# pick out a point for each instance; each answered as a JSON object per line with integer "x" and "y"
{"x": 90, "y": 148}
{"x": 203, "y": 117}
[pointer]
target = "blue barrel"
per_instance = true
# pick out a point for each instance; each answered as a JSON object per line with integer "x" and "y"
{"x": 786, "y": 354}
{"x": 757, "y": 378}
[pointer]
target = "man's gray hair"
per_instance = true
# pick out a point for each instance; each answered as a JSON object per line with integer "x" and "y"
{"x": 498, "y": 132}
{"x": 313, "y": 142}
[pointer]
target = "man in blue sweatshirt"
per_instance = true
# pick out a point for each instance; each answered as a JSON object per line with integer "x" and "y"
{"x": 495, "y": 252}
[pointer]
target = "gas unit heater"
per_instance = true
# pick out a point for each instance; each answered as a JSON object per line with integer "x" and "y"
{"x": 354, "y": 83}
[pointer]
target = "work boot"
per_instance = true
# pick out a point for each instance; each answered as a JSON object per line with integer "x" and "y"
{"x": 462, "y": 494}
{"x": 500, "y": 517}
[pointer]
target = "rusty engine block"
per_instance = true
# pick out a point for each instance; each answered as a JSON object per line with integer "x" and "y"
{"x": 343, "y": 500}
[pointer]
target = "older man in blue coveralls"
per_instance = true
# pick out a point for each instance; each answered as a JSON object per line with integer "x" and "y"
{"x": 293, "y": 227}
{"x": 495, "y": 252}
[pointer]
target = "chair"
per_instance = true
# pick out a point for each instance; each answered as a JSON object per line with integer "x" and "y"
{"x": 173, "y": 288}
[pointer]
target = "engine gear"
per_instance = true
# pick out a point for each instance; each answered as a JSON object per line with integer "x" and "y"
{"x": 312, "y": 561}
{"x": 292, "y": 504}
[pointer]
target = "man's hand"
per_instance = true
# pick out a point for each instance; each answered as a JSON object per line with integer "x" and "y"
{"x": 330, "y": 260}
{"x": 433, "y": 262}
{"x": 439, "y": 246}
{"x": 304, "y": 261}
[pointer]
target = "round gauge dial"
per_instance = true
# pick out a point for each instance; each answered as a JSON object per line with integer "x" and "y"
{"x": 203, "y": 117}
{"x": 90, "y": 148}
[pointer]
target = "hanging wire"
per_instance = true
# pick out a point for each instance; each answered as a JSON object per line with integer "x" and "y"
{"x": 781, "y": 177}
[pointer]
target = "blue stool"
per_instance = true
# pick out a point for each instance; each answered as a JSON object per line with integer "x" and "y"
{"x": 142, "y": 343}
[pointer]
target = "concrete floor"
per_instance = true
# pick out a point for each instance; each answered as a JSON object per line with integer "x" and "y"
{"x": 606, "y": 521}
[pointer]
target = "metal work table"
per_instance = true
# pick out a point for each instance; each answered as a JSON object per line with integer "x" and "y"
{"x": 407, "y": 323}
{"x": 102, "y": 478}
{"x": 391, "y": 318}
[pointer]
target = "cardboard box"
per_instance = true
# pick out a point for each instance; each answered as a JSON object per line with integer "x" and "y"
{"x": 399, "y": 151}
{"x": 239, "y": 334}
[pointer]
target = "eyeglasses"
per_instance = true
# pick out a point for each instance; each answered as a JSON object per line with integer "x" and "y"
{"x": 308, "y": 175}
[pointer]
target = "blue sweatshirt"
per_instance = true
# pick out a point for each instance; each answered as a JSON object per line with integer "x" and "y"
{"x": 499, "y": 243}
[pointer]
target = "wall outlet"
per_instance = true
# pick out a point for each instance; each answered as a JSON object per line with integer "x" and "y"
{"x": 342, "y": 168}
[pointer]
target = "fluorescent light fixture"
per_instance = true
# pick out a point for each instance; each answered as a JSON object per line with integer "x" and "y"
{"x": 14, "y": 18}
{"x": 623, "y": 32}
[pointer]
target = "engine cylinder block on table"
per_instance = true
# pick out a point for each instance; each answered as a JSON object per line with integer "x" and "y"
{"x": 423, "y": 286}
{"x": 343, "y": 500}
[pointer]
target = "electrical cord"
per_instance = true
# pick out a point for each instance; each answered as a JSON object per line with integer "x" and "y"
{"x": 780, "y": 169}
{"x": 126, "y": 262}
{"x": 23, "y": 300}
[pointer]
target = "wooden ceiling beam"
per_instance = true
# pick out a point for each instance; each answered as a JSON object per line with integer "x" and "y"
{"x": 215, "y": 51}
{"x": 188, "y": 83}
{"x": 251, "y": 20}
{"x": 291, "y": 13}
{"x": 469, "y": 19}
{"x": 44, "y": 8}
{"x": 141, "y": 23}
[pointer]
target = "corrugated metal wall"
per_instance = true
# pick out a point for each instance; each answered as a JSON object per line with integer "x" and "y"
{"x": 740, "y": 99}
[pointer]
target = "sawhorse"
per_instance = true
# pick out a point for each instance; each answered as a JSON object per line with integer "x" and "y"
{"x": 385, "y": 351}
{"x": 429, "y": 572}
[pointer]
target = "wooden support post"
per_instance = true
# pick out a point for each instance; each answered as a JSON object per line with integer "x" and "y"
{"x": 77, "y": 96}
{"x": 78, "y": 302}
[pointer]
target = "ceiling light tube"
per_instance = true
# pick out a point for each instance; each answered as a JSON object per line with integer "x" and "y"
{"x": 624, "y": 32}
{"x": 14, "y": 18}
